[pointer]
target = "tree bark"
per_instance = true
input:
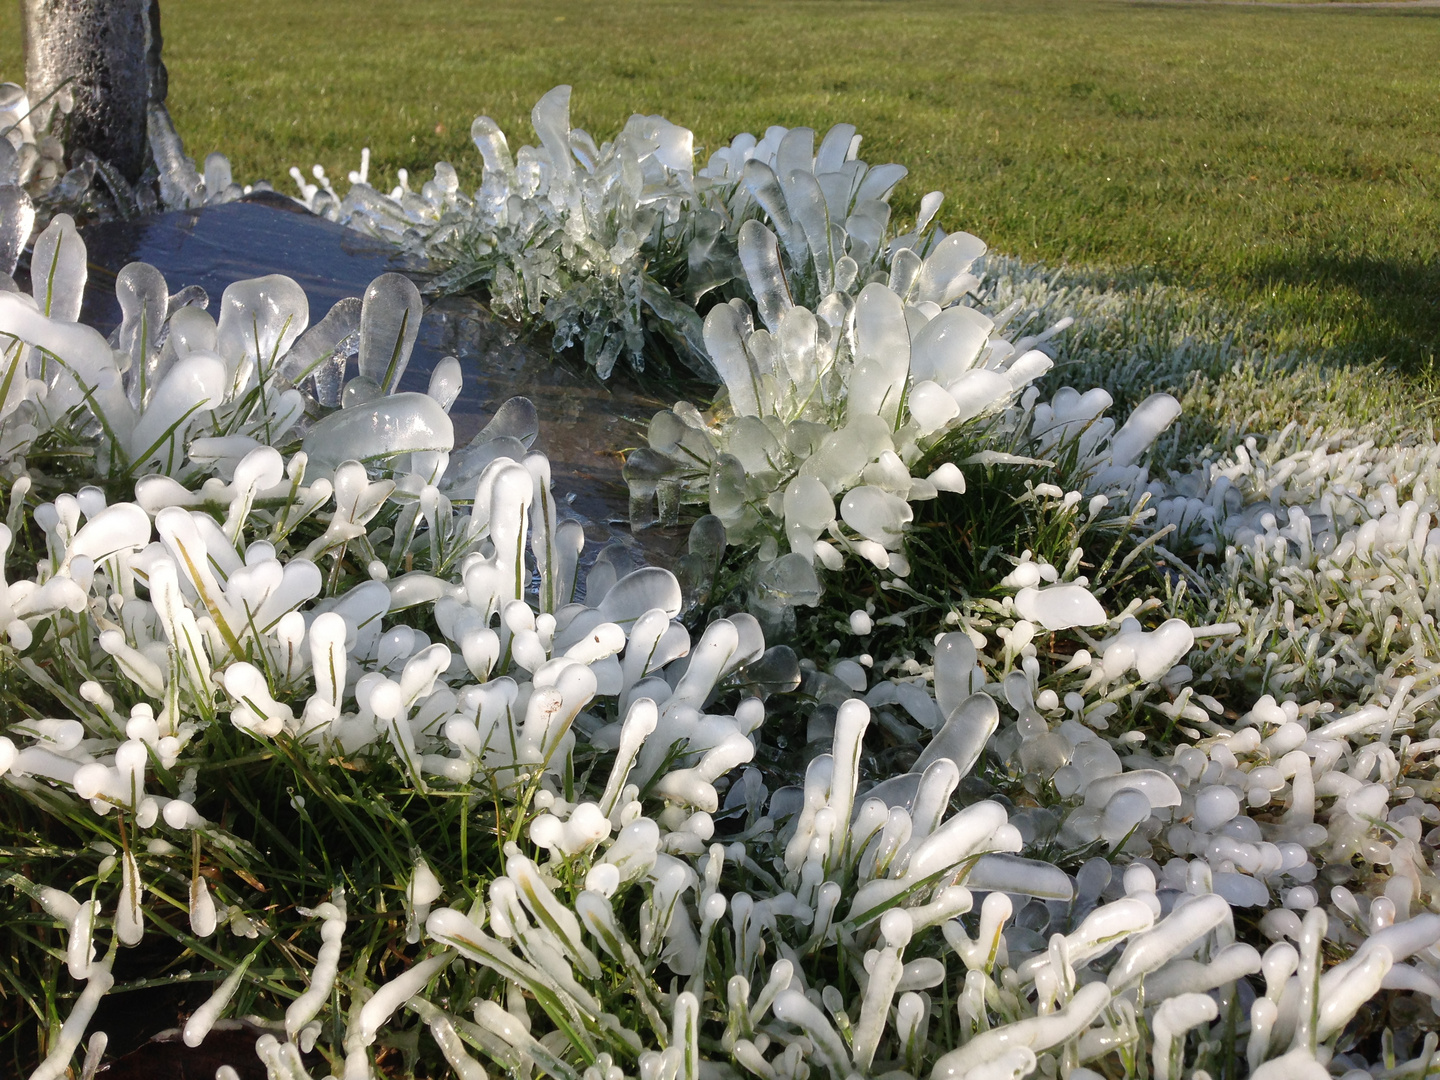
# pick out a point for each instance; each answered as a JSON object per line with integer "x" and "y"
{"x": 109, "y": 50}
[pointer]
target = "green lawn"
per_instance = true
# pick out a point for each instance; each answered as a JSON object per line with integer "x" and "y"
{"x": 1285, "y": 161}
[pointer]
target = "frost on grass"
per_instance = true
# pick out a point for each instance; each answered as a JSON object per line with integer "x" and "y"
{"x": 1066, "y": 830}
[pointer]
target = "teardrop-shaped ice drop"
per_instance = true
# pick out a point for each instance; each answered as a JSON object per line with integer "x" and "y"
{"x": 641, "y": 591}
{"x": 446, "y": 382}
{"x": 760, "y": 256}
{"x": 57, "y": 270}
{"x": 1025, "y": 369}
{"x": 389, "y": 325}
{"x": 144, "y": 303}
{"x": 551, "y": 119}
{"x": 904, "y": 269}
{"x": 121, "y": 527}
{"x": 963, "y": 736}
{"x": 834, "y": 148}
{"x": 17, "y": 218}
{"x": 931, "y": 406}
{"x": 1150, "y": 418}
{"x": 930, "y": 204}
{"x": 191, "y": 330}
{"x": 725, "y": 330}
{"x": 954, "y": 664}
{"x": 796, "y": 151}
{"x": 218, "y": 175}
{"x": 977, "y": 390}
{"x": 949, "y": 344}
{"x": 516, "y": 418}
{"x": 1000, "y": 872}
{"x": 193, "y": 385}
{"x": 882, "y": 353}
{"x": 941, "y": 278}
{"x": 807, "y": 206}
{"x": 809, "y": 510}
{"x": 880, "y": 181}
{"x": 764, "y": 187}
{"x": 395, "y": 424}
{"x": 876, "y": 515}
{"x": 494, "y": 149}
{"x": 798, "y": 346}
{"x": 260, "y": 318}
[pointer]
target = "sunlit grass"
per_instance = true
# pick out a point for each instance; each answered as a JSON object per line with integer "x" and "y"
{"x": 1282, "y": 159}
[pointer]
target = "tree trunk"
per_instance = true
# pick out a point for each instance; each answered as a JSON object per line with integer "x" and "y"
{"x": 109, "y": 50}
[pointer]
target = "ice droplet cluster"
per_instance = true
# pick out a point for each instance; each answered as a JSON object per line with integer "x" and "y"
{"x": 1067, "y": 837}
{"x": 808, "y": 455}
{"x": 615, "y": 243}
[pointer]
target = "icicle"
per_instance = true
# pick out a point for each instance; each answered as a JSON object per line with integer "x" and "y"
{"x": 57, "y": 1061}
{"x": 203, "y": 1018}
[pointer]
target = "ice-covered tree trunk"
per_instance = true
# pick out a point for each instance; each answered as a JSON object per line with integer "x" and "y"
{"x": 109, "y": 50}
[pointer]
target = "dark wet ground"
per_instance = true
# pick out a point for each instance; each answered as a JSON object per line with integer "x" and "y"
{"x": 584, "y": 424}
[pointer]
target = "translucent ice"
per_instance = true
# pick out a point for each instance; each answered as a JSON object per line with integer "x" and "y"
{"x": 320, "y": 352}
{"x": 1151, "y": 653}
{"x": 955, "y": 658}
{"x": 1038, "y": 1033}
{"x": 724, "y": 330}
{"x": 17, "y": 218}
{"x": 882, "y": 353}
{"x": 1150, "y": 418}
{"x": 551, "y": 120}
{"x": 397, "y": 424}
{"x": 943, "y": 277}
{"x": 1215, "y": 805}
{"x": 968, "y": 728}
{"x": 203, "y": 1018}
{"x": 978, "y": 390}
{"x": 643, "y": 590}
{"x": 192, "y": 387}
{"x": 389, "y": 325}
{"x": 949, "y": 344}
{"x": 1126, "y": 809}
{"x": 790, "y": 579}
{"x": 760, "y": 256}
{"x": 1013, "y": 874}
{"x": 1156, "y": 786}
{"x": 876, "y": 515}
{"x": 58, "y": 270}
{"x": 809, "y": 511}
{"x": 144, "y": 301}
{"x": 446, "y": 382}
{"x": 260, "y": 318}
{"x": 1191, "y": 920}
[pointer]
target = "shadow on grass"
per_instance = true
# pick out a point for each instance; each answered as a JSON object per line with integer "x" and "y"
{"x": 1373, "y": 308}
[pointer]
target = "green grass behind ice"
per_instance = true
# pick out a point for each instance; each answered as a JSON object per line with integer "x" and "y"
{"x": 1283, "y": 161}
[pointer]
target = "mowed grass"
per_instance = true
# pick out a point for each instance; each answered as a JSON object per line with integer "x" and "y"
{"x": 1283, "y": 161}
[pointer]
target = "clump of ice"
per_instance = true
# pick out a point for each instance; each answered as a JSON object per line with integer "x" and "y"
{"x": 613, "y": 243}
